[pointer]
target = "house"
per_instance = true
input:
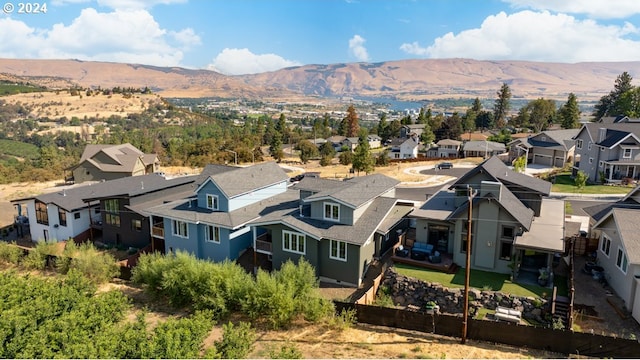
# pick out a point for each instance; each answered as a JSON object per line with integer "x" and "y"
{"x": 213, "y": 223}
{"x": 482, "y": 149}
{"x": 553, "y": 148}
{"x": 115, "y": 208}
{"x": 448, "y": 148}
{"x": 515, "y": 229}
{"x": 474, "y": 136}
{"x": 411, "y": 130}
{"x": 340, "y": 227}
{"x": 618, "y": 119}
{"x": 108, "y": 162}
{"x": 337, "y": 141}
{"x": 608, "y": 152}
{"x": 374, "y": 140}
{"x": 123, "y": 203}
{"x": 351, "y": 142}
{"x": 404, "y": 148}
{"x": 619, "y": 252}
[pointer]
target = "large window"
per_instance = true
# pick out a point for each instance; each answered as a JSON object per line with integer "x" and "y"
{"x": 338, "y": 250}
{"x": 579, "y": 144}
{"x": 293, "y": 242}
{"x": 212, "y": 202}
{"x": 622, "y": 261}
{"x": 212, "y": 234}
{"x": 180, "y": 228}
{"x": 605, "y": 245}
{"x": 332, "y": 211}
{"x": 62, "y": 217}
{"x": 506, "y": 249}
{"x": 42, "y": 215}
{"x": 112, "y": 212}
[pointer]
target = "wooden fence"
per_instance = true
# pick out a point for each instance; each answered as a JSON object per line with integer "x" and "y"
{"x": 560, "y": 341}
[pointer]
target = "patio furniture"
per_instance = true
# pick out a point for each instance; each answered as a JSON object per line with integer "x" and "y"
{"x": 426, "y": 249}
{"x": 507, "y": 314}
{"x": 418, "y": 255}
{"x": 436, "y": 258}
{"x": 402, "y": 252}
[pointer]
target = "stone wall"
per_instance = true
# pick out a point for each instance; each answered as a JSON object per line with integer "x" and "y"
{"x": 415, "y": 294}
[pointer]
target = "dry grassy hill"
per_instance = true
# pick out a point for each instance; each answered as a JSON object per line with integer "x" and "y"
{"x": 405, "y": 79}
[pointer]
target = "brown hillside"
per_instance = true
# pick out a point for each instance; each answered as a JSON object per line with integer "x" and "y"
{"x": 406, "y": 79}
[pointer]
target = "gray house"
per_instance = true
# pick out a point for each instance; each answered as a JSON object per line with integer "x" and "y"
{"x": 608, "y": 152}
{"x": 553, "y": 148}
{"x": 514, "y": 227}
{"x": 338, "y": 226}
{"x": 108, "y": 162}
{"x": 619, "y": 252}
{"x": 484, "y": 149}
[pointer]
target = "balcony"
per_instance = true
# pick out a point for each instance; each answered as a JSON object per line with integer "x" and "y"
{"x": 157, "y": 230}
{"x": 96, "y": 224}
{"x": 263, "y": 244}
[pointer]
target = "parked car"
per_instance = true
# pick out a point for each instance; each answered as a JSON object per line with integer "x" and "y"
{"x": 297, "y": 178}
{"x": 444, "y": 165}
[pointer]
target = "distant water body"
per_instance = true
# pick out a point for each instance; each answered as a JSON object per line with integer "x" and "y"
{"x": 392, "y": 104}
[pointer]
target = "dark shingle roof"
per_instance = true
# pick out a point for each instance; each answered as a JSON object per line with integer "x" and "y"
{"x": 247, "y": 179}
{"x": 357, "y": 191}
{"x": 500, "y": 172}
{"x": 615, "y": 132}
{"x": 316, "y": 184}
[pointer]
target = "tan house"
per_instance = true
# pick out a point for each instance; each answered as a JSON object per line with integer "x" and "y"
{"x": 553, "y": 148}
{"x": 108, "y": 162}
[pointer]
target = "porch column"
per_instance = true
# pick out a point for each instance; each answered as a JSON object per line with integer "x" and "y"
{"x": 255, "y": 254}
{"x": 153, "y": 246}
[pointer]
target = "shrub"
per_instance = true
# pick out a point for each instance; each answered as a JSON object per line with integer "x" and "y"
{"x": 344, "y": 320}
{"x": 97, "y": 266}
{"x": 383, "y": 297}
{"x": 10, "y": 253}
{"x": 37, "y": 257}
{"x": 236, "y": 343}
{"x": 286, "y": 351}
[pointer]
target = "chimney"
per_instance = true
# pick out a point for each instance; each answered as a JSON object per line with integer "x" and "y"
{"x": 602, "y": 134}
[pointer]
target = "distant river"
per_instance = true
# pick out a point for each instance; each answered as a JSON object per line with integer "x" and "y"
{"x": 393, "y": 104}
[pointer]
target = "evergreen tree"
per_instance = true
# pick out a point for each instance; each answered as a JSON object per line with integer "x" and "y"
{"x": 406, "y": 120}
{"x": 275, "y": 148}
{"x": 608, "y": 104}
{"x": 422, "y": 117}
{"x": 383, "y": 127}
{"x": 308, "y": 150}
{"x": 362, "y": 158}
{"x": 570, "y": 113}
{"x": 427, "y": 135}
{"x": 501, "y": 106}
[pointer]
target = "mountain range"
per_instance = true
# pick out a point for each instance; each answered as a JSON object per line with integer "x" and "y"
{"x": 402, "y": 80}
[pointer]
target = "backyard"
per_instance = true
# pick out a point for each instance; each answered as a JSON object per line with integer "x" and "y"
{"x": 565, "y": 184}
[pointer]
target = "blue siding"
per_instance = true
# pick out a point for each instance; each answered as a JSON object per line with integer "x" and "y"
{"x": 242, "y": 239}
{"x": 212, "y": 251}
{"x": 172, "y": 242}
{"x": 211, "y": 188}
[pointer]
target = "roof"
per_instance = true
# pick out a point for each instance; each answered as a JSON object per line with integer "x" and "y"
{"x": 74, "y": 198}
{"x": 615, "y": 132}
{"x": 563, "y": 137}
{"x": 316, "y": 184}
{"x": 336, "y": 139}
{"x": 474, "y": 136}
{"x": 187, "y": 210}
{"x": 496, "y": 169}
{"x": 376, "y": 217}
{"x": 483, "y": 145}
{"x": 627, "y": 223}
{"x": 123, "y": 157}
{"x": 411, "y": 142}
{"x": 438, "y": 207}
{"x": 445, "y": 142}
{"x": 246, "y": 179}
{"x": 547, "y": 230}
{"x": 357, "y": 191}
{"x": 522, "y": 214}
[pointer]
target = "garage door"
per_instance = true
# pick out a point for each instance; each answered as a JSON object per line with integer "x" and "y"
{"x": 542, "y": 160}
{"x": 559, "y": 162}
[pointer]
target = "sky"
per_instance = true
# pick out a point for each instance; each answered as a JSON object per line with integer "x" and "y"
{"x": 236, "y": 37}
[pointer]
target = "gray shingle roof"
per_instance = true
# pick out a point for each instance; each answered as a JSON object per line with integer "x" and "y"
{"x": 476, "y": 145}
{"x": 316, "y": 184}
{"x": 629, "y": 227}
{"x": 357, "y": 191}
{"x": 247, "y": 179}
{"x": 561, "y": 136}
{"x": 123, "y": 157}
{"x": 615, "y": 132}
{"x": 496, "y": 169}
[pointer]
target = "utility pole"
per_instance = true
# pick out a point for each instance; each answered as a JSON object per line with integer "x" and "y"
{"x": 465, "y": 312}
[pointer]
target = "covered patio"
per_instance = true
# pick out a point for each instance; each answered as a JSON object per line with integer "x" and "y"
{"x": 621, "y": 172}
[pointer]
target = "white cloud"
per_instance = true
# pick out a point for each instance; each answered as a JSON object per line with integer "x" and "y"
{"x": 602, "y": 9}
{"x": 135, "y": 4}
{"x": 536, "y": 36}
{"x": 131, "y": 36}
{"x": 243, "y": 61}
{"x": 357, "y": 49}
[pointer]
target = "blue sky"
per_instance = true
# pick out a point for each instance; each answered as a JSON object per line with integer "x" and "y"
{"x": 249, "y": 36}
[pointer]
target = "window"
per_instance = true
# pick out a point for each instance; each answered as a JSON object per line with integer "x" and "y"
{"x": 331, "y": 211}
{"x": 293, "y": 242}
{"x": 605, "y": 246}
{"x": 338, "y": 250}
{"x": 506, "y": 249}
{"x": 180, "y": 228}
{"x": 543, "y": 138}
{"x": 463, "y": 242}
{"x": 212, "y": 234}
{"x": 62, "y": 217}
{"x": 42, "y": 215}
{"x": 212, "y": 202}
{"x": 76, "y": 215}
{"x": 136, "y": 225}
{"x": 590, "y": 160}
{"x": 507, "y": 232}
{"x": 112, "y": 212}
{"x": 600, "y": 164}
{"x": 589, "y": 145}
{"x": 626, "y": 153}
{"x": 579, "y": 144}
{"x": 621, "y": 261}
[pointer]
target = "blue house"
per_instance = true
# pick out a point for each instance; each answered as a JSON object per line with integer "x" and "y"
{"x": 214, "y": 223}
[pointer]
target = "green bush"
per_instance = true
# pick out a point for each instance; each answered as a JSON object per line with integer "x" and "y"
{"x": 286, "y": 351}
{"x": 37, "y": 257}
{"x": 180, "y": 338}
{"x": 10, "y": 253}
{"x": 383, "y": 297}
{"x": 236, "y": 343}
{"x": 97, "y": 266}
{"x": 344, "y": 320}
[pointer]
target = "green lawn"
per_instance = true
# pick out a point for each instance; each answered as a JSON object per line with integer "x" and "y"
{"x": 478, "y": 279}
{"x": 565, "y": 184}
